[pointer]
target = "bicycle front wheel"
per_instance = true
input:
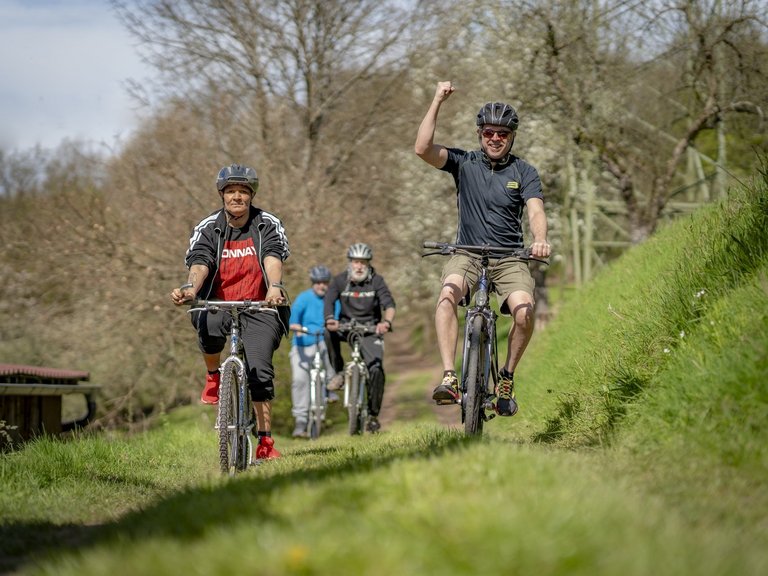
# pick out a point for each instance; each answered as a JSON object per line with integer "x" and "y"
{"x": 316, "y": 406}
{"x": 226, "y": 421}
{"x": 245, "y": 420}
{"x": 353, "y": 408}
{"x": 472, "y": 407}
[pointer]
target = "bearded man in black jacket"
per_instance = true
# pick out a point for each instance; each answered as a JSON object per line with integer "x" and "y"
{"x": 365, "y": 298}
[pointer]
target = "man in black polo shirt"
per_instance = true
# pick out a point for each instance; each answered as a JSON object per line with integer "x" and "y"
{"x": 492, "y": 186}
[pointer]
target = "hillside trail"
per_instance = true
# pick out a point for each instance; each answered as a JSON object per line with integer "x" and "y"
{"x": 403, "y": 363}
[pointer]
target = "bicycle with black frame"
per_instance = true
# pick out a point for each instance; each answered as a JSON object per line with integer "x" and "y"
{"x": 235, "y": 418}
{"x": 479, "y": 365}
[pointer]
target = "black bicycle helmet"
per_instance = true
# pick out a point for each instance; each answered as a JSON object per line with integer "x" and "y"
{"x": 237, "y": 174}
{"x": 359, "y": 251}
{"x": 498, "y": 114}
{"x": 319, "y": 273}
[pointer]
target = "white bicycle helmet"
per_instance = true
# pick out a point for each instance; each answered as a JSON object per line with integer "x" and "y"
{"x": 359, "y": 251}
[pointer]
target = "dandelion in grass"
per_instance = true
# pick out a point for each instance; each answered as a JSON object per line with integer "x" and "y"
{"x": 700, "y": 293}
{"x": 682, "y": 334}
{"x": 667, "y": 350}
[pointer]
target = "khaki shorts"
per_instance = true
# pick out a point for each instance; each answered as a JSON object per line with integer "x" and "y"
{"x": 506, "y": 274}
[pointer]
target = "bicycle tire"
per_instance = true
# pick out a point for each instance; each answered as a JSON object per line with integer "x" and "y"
{"x": 352, "y": 407}
{"x": 315, "y": 408}
{"x": 475, "y": 387}
{"x": 228, "y": 439}
{"x": 243, "y": 448}
{"x": 362, "y": 413}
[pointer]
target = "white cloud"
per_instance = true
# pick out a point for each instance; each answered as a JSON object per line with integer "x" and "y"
{"x": 63, "y": 72}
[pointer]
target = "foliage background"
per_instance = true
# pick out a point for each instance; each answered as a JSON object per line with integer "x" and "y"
{"x": 324, "y": 99}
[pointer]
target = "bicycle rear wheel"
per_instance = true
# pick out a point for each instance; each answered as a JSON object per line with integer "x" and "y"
{"x": 316, "y": 406}
{"x": 354, "y": 393}
{"x": 472, "y": 406}
{"x": 226, "y": 420}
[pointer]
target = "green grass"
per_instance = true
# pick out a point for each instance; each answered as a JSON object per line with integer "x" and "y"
{"x": 420, "y": 501}
{"x": 639, "y": 448}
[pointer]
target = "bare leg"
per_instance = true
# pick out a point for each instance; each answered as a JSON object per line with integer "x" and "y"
{"x": 263, "y": 416}
{"x": 446, "y": 321}
{"x": 212, "y": 361}
{"x": 521, "y": 305}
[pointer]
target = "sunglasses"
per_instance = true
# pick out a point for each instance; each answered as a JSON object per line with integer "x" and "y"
{"x": 488, "y": 134}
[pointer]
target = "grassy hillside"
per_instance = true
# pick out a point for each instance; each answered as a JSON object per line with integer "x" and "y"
{"x": 614, "y": 339}
{"x": 640, "y": 447}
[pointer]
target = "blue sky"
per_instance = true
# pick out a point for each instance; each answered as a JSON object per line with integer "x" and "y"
{"x": 63, "y": 71}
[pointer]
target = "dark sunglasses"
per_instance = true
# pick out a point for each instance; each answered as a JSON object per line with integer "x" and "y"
{"x": 502, "y": 134}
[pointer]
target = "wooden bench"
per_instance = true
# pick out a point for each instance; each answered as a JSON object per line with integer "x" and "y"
{"x": 31, "y": 401}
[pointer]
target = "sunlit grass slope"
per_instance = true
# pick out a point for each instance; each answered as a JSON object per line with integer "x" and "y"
{"x": 614, "y": 339}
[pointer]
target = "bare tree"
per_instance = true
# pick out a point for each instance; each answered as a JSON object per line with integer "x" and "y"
{"x": 637, "y": 115}
{"x": 310, "y": 89}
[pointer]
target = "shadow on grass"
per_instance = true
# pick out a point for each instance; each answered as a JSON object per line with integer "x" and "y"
{"x": 558, "y": 424}
{"x": 195, "y": 511}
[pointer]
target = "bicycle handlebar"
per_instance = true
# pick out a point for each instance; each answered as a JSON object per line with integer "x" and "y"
{"x": 447, "y": 249}
{"x": 359, "y": 327}
{"x": 305, "y": 330}
{"x": 241, "y": 305}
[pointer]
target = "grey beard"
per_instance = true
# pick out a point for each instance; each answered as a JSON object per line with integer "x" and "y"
{"x": 358, "y": 276}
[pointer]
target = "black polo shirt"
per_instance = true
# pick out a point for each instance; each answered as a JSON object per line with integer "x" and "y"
{"x": 491, "y": 200}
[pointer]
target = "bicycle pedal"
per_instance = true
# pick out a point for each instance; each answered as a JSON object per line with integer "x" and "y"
{"x": 490, "y": 416}
{"x": 445, "y": 402}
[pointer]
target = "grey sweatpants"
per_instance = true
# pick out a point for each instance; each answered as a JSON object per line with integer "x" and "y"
{"x": 301, "y": 364}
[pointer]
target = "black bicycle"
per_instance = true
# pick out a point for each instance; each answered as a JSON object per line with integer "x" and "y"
{"x": 479, "y": 365}
{"x": 235, "y": 419}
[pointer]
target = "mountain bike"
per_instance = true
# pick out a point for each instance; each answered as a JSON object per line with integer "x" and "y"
{"x": 356, "y": 376}
{"x": 317, "y": 377}
{"x": 235, "y": 418}
{"x": 479, "y": 365}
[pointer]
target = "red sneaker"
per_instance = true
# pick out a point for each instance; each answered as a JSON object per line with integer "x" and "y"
{"x": 210, "y": 393}
{"x": 266, "y": 449}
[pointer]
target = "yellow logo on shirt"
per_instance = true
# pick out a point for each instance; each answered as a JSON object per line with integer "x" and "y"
{"x": 512, "y": 185}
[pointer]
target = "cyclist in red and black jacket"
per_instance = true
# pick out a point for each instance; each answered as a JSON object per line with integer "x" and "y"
{"x": 365, "y": 298}
{"x": 237, "y": 253}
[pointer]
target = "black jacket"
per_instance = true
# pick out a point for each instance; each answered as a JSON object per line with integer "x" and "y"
{"x": 362, "y": 301}
{"x": 206, "y": 245}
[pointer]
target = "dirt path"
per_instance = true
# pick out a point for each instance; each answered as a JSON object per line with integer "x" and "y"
{"x": 403, "y": 364}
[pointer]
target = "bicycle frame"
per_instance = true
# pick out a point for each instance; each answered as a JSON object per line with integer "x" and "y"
{"x": 235, "y": 417}
{"x": 356, "y": 377}
{"x": 317, "y": 377}
{"x": 480, "y": 328}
